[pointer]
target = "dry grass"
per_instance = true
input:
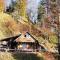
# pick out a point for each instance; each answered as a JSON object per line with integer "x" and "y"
{"x": 6, "y": 56}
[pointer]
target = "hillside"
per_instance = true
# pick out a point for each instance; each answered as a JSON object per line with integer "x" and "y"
{"x": 8, "y": 27}
{"x": 41, "y": 22}
{"x": 11, "y": 28}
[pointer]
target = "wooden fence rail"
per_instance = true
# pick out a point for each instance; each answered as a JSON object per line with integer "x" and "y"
{"x": 19, "y": 50}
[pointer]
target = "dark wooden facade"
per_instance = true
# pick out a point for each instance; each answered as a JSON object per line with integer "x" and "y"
{"x": 12, "y": 43}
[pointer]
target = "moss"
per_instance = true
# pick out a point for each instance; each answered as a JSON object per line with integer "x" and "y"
{"x": 53, "y": 39}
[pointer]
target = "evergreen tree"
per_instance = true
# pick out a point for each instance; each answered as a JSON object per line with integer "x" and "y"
{"x": 41, "y": 10}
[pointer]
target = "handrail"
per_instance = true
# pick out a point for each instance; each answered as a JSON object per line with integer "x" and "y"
{"x": 18, "y": 50}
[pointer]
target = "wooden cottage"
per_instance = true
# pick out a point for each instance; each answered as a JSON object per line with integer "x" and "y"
{"x": 27, "y": 41}
{"x": 20, "y": 42}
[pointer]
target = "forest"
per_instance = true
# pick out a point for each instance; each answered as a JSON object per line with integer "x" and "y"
{"x": 41, "y": 18}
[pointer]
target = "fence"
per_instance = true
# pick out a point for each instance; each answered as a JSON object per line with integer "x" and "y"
{"x": 19, "y": 50}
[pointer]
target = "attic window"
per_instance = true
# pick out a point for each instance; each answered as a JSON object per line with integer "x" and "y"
{"x": 27, "y": 35}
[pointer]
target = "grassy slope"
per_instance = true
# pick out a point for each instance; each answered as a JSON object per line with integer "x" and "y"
{"x": 13, "y": 28}
{"x": 8, "y": 27}
{"x": 6, "y": 56}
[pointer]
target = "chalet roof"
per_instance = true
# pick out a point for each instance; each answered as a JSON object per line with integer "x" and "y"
{"x": 12, "y": 38}
{"x": 25, "y": 38}
{"x": 21, "y": 38}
